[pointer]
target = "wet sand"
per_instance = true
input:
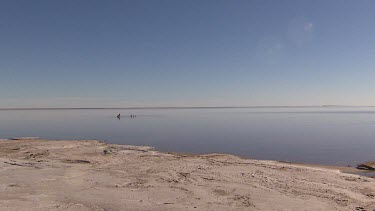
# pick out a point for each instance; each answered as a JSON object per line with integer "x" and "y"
{"x": 92, "y": 175}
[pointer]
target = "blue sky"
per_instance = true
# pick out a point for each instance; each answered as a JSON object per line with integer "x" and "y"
{"x": 90, "y": 53}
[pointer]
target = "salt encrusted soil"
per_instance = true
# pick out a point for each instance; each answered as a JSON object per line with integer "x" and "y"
{"x": 92, "y": 175}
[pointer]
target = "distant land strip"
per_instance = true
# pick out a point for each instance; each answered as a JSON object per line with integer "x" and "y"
{"x": 181, "y": 107}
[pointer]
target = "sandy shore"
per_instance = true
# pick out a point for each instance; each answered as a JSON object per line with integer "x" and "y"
{"x": 91, "y": 175}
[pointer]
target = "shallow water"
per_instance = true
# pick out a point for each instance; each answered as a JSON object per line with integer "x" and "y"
{"x": 319, "y": 135}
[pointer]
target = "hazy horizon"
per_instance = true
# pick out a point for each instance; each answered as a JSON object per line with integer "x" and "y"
{"x": 177, "y": 106}
{"x": 186, "y": 53}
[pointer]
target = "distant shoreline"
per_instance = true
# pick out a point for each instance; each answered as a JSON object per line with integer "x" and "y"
{"x": 184, "y": 107}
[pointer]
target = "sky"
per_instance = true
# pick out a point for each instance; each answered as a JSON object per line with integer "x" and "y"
{"x": 91, "y": 53}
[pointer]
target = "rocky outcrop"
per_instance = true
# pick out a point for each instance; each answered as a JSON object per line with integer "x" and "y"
{"x": 367, "y": 166}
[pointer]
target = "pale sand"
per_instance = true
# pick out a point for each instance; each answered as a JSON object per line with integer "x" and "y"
{"x": 78, "y": 175}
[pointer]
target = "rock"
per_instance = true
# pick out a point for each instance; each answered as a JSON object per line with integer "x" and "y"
{"x": 367, "y": 166}
{"x": 24, "y": 138}
{"x": 76, "y": 161}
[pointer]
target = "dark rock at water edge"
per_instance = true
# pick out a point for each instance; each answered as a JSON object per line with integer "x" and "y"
{"x": 367, "y": 166}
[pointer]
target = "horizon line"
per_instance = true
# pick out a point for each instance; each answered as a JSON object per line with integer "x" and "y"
{"x": 176, "y": 107}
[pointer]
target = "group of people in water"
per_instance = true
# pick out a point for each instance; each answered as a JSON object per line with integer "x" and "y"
{"x": 131, "y": 116}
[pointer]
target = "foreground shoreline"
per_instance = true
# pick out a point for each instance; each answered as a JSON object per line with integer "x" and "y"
{"x": 92, "y": 175}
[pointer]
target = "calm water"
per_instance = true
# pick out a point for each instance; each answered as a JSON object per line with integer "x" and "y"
{"x": 334, "y": 136}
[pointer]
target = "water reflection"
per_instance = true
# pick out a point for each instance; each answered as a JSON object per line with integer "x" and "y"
{"x": 333, "y": 136}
